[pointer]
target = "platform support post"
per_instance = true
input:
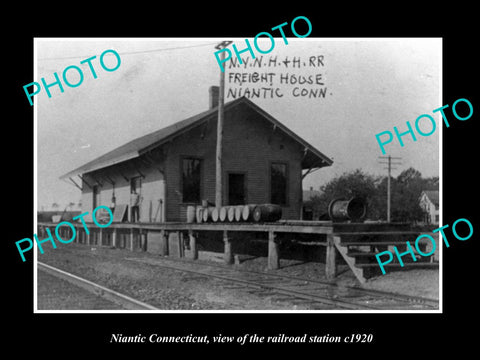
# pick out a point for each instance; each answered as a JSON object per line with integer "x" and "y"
{"x": 114, "y": 237}
{"x": 181, "y": 244}
{"x": 140, "y": 239}
{"x": 273, "y": 252}
{"x": 227, "y": 255}
{"x": 330, "y": 258}
{"x": 164, "y": 243}
{"x": 76, "y": 234}
{"x": 100, "y": 237}
{"x": 131, "y": 239}
{"x": 193, "y": 245}
{"x": 143, "y": 239}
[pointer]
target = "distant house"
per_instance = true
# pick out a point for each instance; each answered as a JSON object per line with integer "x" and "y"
{"x": 57, "y": 212}
{"x": 308, "y": 210}
{"x": 429, "y": 202}
{"x": 174, "y": 167}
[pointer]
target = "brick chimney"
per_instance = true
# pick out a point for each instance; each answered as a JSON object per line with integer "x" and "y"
{"x": 213, "y": 92}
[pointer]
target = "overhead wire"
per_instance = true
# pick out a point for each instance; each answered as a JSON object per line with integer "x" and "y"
{"x": 132, "y": 52}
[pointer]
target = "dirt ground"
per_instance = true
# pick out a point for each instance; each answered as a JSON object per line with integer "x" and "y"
{"x": 57, "y": 294}
{"x": 173, "y": 290}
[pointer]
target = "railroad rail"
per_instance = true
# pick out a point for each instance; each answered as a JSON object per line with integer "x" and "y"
{"x": 123, "y": 300}
{"x": 299, "y": 289}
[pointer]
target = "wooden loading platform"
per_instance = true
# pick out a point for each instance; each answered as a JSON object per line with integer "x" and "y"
{"x": 357, "y": 243}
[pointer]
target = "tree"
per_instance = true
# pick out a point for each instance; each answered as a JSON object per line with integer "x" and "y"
{"x": 409, "y": 176}
{"x": 406, "y": 189}
{"x": 348, "y": 185}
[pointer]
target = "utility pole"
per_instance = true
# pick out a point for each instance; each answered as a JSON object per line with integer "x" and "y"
{"x": 389, "y": 169}
{"x": 218, "y": 162}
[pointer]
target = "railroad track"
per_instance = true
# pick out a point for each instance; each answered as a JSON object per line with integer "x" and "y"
{"x": 315, "y": 293}
{"x": 123, "y": 300}
{"x": 299, "y": 290}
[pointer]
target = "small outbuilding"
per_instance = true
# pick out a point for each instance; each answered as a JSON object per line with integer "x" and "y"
{"x": 429, "y": 202}
{"x": 155, "y": 177}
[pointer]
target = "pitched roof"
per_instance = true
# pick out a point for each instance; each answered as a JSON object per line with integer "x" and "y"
{"x": 138, "y": 146}
{"x": 433, "y": 196}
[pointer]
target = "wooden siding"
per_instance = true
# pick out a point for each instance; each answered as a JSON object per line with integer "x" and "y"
{"x": 250, "y": 146}
{"x": 121, "y": 175}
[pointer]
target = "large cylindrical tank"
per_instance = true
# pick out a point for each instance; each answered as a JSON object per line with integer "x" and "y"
{"x": 233, "y": 213}
{"x": 354, "y": 209}
{"x": 199, "y": 214}
{"x": 191, "y": 214}
{"x": 207, "y": 213}
{"x": 215, "y": 214}
{"x": 267, "y": 212}
{"x": 222, "y": 215}
{"x": 247, "y": 212}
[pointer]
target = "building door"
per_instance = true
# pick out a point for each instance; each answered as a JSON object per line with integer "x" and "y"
{"x": 156, "y": 202}
{"x": 161, "y": 202}
{"x": 236, "y": 189}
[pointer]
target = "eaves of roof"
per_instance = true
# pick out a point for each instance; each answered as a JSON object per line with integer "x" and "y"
{"x": 138, "y": 146}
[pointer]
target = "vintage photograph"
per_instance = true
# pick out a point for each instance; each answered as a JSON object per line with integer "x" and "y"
{"x": 296, "y": 180}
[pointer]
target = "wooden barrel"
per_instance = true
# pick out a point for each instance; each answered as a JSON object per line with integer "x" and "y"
{"x": 267, "y": 212}
{"x": 222, "y": 216}
{"x": 231, "y": 213}
{"x": 215, "y": 214}
{"x": 207, "y": 213}
{"x": 191, "y": 214}
{"x": 238, "y": 212}
{"x": 199, "y": 214}
{"x": 247, "y": 212}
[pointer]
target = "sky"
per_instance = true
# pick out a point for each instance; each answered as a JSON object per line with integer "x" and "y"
{"x": 370, "y": 86}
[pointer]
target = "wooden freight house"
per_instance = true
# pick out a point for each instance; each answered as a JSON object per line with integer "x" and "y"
{"x": 169, "y": 169}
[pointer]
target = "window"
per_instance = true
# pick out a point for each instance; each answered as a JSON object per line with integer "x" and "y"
{"x": 278, "y": 183}
{"x": 191, "y": 180}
